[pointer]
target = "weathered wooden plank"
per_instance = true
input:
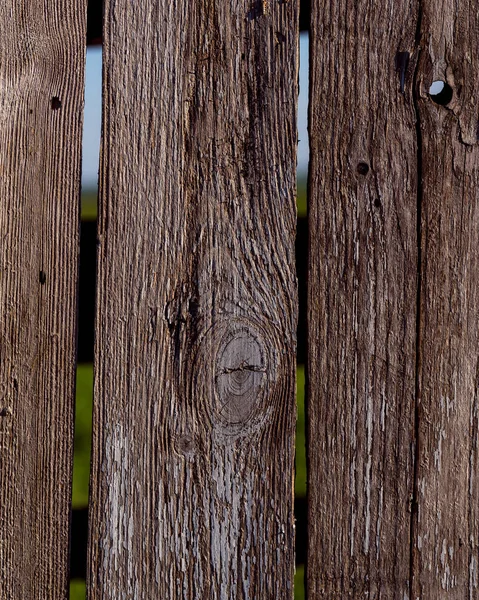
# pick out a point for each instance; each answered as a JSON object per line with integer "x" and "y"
{"x": 446, "y": 537}
{"x": 361, "y": 300}
{"x": 42, "y": 56}
{"x": 192, "y": 474}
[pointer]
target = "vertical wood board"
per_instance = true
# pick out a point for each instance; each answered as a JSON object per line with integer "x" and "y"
{"x": 42, "y": 57}
{"x": 446, "y": 538}
{"x": 192, "y": 473}
{"x": 361, "y": 300}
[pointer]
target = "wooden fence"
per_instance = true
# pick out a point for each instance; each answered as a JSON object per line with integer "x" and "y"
{"x": 194, "y": 408}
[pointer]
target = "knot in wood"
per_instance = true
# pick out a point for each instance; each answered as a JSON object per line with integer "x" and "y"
{"x": 232, "y": 383}
{"x": 240, "y": 371}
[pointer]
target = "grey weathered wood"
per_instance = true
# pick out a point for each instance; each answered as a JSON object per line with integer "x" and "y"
{"x": 362, "y": 300}
{"x": 446, "y": 541}
{"x": 192, "y": 474}
{"x": 42, "y": 55}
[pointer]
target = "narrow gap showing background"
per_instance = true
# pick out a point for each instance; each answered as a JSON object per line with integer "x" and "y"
{"x": 81, "y": 467}
{"x": 301, "y": 270}
{"x": 84, "y": 387}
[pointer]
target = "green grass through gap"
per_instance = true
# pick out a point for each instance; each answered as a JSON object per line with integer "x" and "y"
{"x": 83, "y": 418}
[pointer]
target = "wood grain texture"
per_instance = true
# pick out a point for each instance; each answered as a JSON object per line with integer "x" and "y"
{"x": 42, "y": 56}
{"x": 361, "y": 300}
{"x": 192, "y": 474}
{"x": 446, "y": 539}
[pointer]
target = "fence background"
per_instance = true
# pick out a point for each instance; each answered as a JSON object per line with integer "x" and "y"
{"x": 197, "y": 306}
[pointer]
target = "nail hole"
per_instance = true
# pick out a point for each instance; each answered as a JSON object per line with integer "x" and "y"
{"x": 362, "y": 168}
{"x": 256, "y": 10}
{"x": 440, "y": 92}
{"x": 186, "y": 444}
{"x": 377, "y": 203}
{"x": 43, "y": 277}
{"x": 56, "y": 103}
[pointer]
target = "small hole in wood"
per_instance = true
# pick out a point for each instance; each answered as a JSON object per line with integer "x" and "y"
{"x": 254, "y": 11}
{"x": 56, "y": 103}
{"x": 186, "y": 444}
{"x": 43, "y": 277}
{"x": 362, "y": 168}
{"x": 440, "y": 92}
{"x": 377, "y": 203}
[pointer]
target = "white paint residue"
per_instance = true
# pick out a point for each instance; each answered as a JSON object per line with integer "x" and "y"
{"x": 129, "y": 548}
{"x": 422, "y": 486}
{"x": 118, "y": 544}
{"x": 353, "y": 525}
{"x": 382, "y": 418}
{"x": 354, "y": 411}
{"x": 472, "y": 575}
{"x": 471, "y": 472}
{"x": 245, "y": 552}
{"x": 447, "y": 581}
{"x": 378, "y": 523}
{"x": 160, "y": 549}
{"x": 443, "y": 554}
{"x": 450, "y": 404}
{"x": 226, "y": 523}
{"x": 367, "y": 482}
{"x": 438, "y": 451}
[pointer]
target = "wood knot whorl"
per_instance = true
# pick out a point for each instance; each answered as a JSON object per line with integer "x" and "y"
{"x": 239, "y": 374}
{"x": 236, "y": 365}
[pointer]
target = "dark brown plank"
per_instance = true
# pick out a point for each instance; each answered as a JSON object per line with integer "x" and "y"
{"x": 42, "y": 56}
{"x": 447, "y": 525}
{"x": 361, "y": 300}
{"x": 192, "y": 481}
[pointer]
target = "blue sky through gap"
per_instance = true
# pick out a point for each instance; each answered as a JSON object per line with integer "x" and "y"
{"x": 91, "y": 133}
{"x": 92, "y": 119}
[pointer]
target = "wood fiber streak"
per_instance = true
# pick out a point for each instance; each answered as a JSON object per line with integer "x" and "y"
{"x": 446, "y": 540}
{"x": 192, "y": 473}
{"x": 361, "y": 300}
{"x": 42, "y": 56}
